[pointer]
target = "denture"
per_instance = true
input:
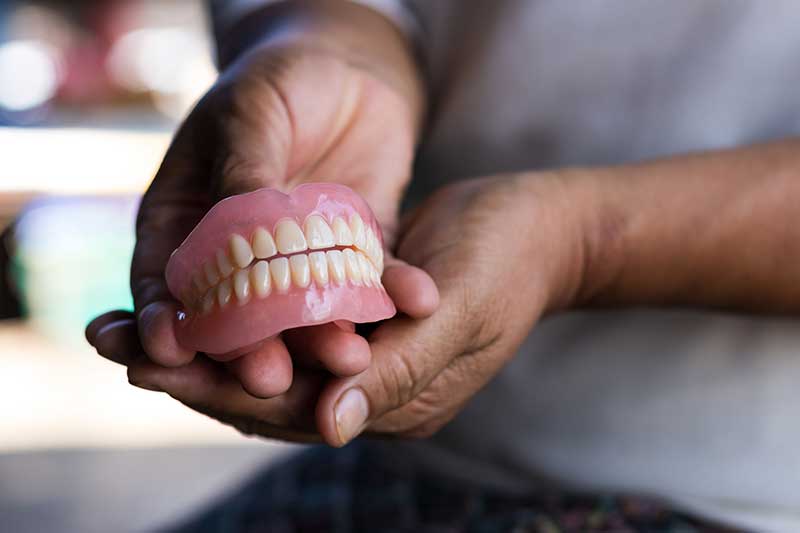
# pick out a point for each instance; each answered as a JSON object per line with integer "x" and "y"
{"x": 263, "y": 262}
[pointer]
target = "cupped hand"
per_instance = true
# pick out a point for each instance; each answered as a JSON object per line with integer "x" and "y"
{"x": 502, "y": 252}
{"x": 285, "y": 113}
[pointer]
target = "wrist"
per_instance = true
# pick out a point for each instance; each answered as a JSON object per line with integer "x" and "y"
{"x": 577, "y": 235}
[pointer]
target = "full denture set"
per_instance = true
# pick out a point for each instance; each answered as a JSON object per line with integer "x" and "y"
{"x": 321, "y": 253}
{"x": 263, "y": 262}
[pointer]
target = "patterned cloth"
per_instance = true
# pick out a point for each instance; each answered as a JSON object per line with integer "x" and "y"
{"x": 358, "y": 489}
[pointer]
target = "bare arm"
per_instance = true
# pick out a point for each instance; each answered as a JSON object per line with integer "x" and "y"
{"x": 718, "y": 229}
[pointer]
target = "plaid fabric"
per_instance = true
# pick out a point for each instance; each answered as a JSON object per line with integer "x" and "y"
{"x": 357, "y": 489}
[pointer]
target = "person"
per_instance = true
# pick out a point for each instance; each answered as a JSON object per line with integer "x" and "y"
{"x": 606, "y": 200}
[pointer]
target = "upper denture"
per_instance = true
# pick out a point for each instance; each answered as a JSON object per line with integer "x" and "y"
{"x": 267, "y": 246}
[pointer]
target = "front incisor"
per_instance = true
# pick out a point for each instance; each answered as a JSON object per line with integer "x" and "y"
{"x": 289, "y": 237}
{"x": 279, "y": 269}
{"x": 318, "y": 234}
{"x": 301, "y": 274}
{"x": 319, "y": 268}
{"x": 260, "y": 278}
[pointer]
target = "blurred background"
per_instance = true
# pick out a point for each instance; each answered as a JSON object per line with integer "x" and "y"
{"x": 90, "y": 93}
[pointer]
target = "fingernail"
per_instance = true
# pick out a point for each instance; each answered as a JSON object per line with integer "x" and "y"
{"x": 145, "y": 385}
{"x": 351, "y": 413}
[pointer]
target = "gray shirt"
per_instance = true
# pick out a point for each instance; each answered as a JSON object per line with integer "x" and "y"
{"x": 698, "y": 408}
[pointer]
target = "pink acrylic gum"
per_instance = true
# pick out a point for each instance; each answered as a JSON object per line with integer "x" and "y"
{"x": 264, "y": 262}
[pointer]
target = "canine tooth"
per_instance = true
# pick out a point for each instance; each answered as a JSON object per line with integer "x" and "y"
{"x": 301, "y": 274}
{"x": 279, "y": 268}
{"x": 289, "y": 237}
{"x": 241, "y": 286}
{"x": 336, "y": 266}
{"x": 224, "y": 291}
{"x": 210, "y": 271}
{"x": 359, "y": 234}
{"x": 263, "y": 244}
{"x": 318, "y": 233}
{"x": 240, "y": 251}
{"x": 363, "y": 265}
{"x": 344, "y": 237}
{"x": 224, "y": 264}
{"x": 319, "y": 267}
{"x": 351, "y": 266}
{"x": 259, "y": 275}
{"x": 208, "y": 301}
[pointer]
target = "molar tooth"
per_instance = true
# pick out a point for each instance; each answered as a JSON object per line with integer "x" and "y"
{"x": 263, "y": 244}
{"x": 224, "y": 264}
{"x": 208, "y": 301}
{"x": 363, "y": 265}
{"x": 240, "y": 251}
{"x": 357, "y": 227}
{"x": 210, "y": 271}
{"x": 224, "y": 291}
{"x": 279, "y": 268}
{"x": 336, "y": 266}
{"x": 259, "y": 274}
{"x": 289, "y": 237}
{"x": 301, "y": 274}
{"x": 319, "y": 267}
{"x": 241, "y": 286}
{"x": 318, "y": 233}
{"x": 344, "y": 237}
{"x": 351, "y": 266}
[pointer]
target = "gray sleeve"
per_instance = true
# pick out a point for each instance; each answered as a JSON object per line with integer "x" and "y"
{"x": 225, "y": 13}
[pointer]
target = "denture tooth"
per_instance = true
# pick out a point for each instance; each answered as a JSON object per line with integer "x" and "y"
{"x": 259, "y": 275}
{"x": 289, "y": 237}
{"x": 224, "y": 264}
{"x": 376, "y": 277}
{"x": 279, "y": 268}
{"x": 241, "y": 286}
{"x": 336, "y": 266}
{"x": 352, "y": 267}
{"x": 301, "y": 273}
{"x": 210, "y": 271}
{"x": 240, "y": 251}
{"x": 357, "y": 228}
{"x": 318, "y": 233}
{"x": 363, "y": 265}
{"x": 224, "y": 292}
{"x": 208, "y": 301}
{"x": 342, "y": 233}
{"x": 263, "y": 244}
{"x": 319, "y": 268}
{"x": 199, "y": 283}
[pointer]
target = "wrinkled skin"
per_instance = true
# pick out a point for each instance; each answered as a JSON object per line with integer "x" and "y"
{"x": 266, "y": 124}
{"x": 495, "y": 274}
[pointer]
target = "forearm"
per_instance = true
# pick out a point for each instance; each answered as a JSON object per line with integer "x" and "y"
{"x": 359, "y": 35}
{"x": 720, "y": 229}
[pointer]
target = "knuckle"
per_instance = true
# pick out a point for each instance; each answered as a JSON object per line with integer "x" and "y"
{"x": 399, "y": 379}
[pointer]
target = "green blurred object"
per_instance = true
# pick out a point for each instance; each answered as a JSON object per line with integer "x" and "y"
{"x": 72, "y": 261}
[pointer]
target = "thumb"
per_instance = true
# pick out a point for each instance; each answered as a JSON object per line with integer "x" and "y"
{"x": 407, "y": 355}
